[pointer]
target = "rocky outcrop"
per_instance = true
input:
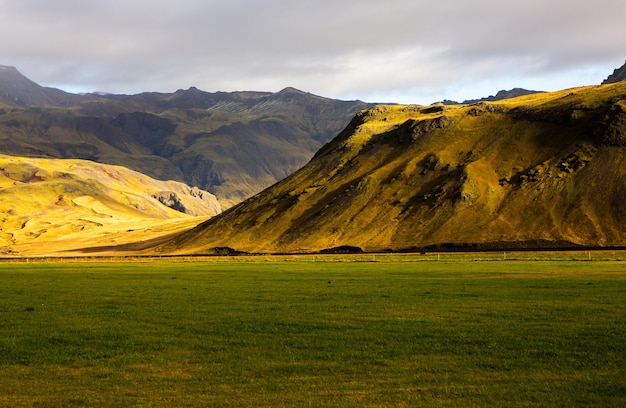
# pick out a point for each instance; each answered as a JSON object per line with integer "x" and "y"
{"x": 503, "y": 94}
{"x": 618, "y": 75}
{"x": 192, "y": 201}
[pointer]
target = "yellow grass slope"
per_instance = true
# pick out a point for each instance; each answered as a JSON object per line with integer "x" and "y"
{"x": 51, "y": 206}
{"x": 545, "y": 170}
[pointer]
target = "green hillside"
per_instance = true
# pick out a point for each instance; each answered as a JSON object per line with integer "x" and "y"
{"x": 544, "y": 170}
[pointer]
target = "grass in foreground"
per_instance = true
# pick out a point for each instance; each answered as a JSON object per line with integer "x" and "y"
{"x": 295, "y": 333}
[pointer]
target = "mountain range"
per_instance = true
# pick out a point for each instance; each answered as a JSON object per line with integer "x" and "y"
{"x": 230, "y": 144}
{"x": 541, "y": 170}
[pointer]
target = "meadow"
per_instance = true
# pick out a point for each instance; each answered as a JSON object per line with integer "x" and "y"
{"x": 366, "y": 331}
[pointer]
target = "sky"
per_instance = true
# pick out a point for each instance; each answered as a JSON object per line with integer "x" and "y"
{"x": 403, "y": 51}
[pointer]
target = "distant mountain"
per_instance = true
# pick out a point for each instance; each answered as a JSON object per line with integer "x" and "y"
{"x": 503, "y": 94}
{"x": 55, "y": 203}
{"x": 231, "y": 144}
{"x": 545, "y": 171}
{"x": 16, "y": 89}
{"x": 618, "y": 75}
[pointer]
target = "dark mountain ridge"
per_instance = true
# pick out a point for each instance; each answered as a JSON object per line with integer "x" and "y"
{"x": 499, "y": 96}
{"x": 503, "y": 94}
{"x": 232, "y": 144}
{"x": 618, "y": 75}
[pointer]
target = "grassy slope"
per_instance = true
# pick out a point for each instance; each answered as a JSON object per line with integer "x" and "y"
{"x": 541, "y": 170}
{"x": 49, "y": 205}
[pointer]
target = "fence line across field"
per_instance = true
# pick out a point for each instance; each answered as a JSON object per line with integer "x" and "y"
{"x": 440, "y": 256}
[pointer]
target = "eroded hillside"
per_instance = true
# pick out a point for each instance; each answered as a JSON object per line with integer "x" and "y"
{"x": 544, "y": 170}
{"x": 52, "y": 205}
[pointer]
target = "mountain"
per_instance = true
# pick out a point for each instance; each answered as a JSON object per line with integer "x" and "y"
{"x": 618, "y": 75}
{"x": 503, "y": 94}
{"x": 16, "y": 89}
{"x": 50, "y": 204}
{"x": 232, "y": 144}
{"x": 545, "y": 170}
{"x": 500, "y": 95}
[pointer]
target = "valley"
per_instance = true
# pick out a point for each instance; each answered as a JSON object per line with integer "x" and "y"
{"x": 261, "y": 172}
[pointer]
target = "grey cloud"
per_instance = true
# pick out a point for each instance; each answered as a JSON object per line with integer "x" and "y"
{"x": 401, "y": 48}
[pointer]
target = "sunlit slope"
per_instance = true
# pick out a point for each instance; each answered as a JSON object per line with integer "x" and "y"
{"x": 545, "y": 170}
{"x": 45, "y": 200}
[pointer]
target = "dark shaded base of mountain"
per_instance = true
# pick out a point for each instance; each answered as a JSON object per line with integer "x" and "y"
{"x": 534, "y": 245}
{"x": 135, "y": 250}
{"x": 343, "y": 249}
{"x": 512, "y": 246}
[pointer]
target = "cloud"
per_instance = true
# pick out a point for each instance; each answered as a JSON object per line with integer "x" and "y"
{"x": 407, "y": 50}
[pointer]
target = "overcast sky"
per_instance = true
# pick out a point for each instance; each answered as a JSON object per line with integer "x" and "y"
{"x": 408, "y": 51}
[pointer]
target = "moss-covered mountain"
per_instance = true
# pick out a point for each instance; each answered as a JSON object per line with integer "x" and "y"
{"x": 544, "y": 170}
{"x": 231, "y": 144}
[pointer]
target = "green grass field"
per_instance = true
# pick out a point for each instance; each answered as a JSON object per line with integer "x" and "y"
{"x": 314, "y": 331}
